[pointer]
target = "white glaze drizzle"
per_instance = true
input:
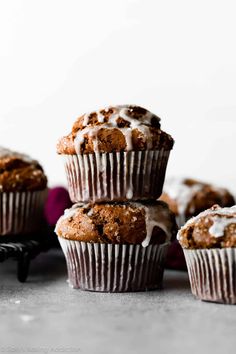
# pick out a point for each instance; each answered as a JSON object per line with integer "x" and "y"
{"x": 228, "y": 212}
{"x": 144, "y": 119}
{"x": 221, "y": 217}
{"x": 86, "y": 120}
{"x": 143, "y": 124}
{"x": 100, "y": 117}
{"x": 182, "y": 193}
{"x": 69, "y": 213}
{"x": 155, "y": 215}
{"x": 176, "y": 189}
{"x": 127, "y": 132}
{"x": 219, "y": 225}
{"x": 129, "y": 193}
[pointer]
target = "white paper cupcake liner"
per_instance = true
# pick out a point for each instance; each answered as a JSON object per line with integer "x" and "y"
{"x": 212, "y": 274}
{"x": 21, "y": 212}
{"x": 118, "y": 176}
{"x": 113, "y": 267}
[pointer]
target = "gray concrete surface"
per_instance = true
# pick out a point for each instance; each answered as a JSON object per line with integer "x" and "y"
{"x": 45, "y": 316}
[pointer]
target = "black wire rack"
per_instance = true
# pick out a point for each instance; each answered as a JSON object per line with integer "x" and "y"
{"x": 24, "y": 248}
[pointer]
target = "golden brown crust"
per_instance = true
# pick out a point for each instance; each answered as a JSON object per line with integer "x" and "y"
{"x": 214, "y": 228}
{"x": 113, "y": 223}
{"x": 20, "y": 173}
{"x": 108, "y": 131}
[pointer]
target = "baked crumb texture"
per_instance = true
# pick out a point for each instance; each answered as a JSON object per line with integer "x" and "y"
{"x": 118, "y": 223}
{"x": 18, "y": 172}
{"x": 115, "y": 129}
{"x": 213, "y": 228}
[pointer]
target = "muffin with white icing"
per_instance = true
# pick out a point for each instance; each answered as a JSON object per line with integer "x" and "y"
{"x": 186, "y": 198}
{"x": 116, "y": 247}
{"x": 115, "y": 154}
{"x": 23, "y": 190}
{"x": 209, "y": 244}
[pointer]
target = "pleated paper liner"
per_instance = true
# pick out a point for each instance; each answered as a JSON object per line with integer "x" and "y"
{"x": 212, "y": 274}
{"x": 21, "y": 212}
{"x": 114, "y": 267}
{"x": 118, "y": 176}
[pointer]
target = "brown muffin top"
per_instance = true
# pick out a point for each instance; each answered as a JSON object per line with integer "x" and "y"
{"x": 115, "y": 129}
{"x": 213, "y": 228}
{"x": 18, "y": 172}
{"x": 126, "y": 223}
{"x": 189, "y": 197}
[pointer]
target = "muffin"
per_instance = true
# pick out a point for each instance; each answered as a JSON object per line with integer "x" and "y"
{"x": 116, "y": 154}
{"x": 23, "y": 190}
{"x": 116, "y": 247}
{"x": 209, "y": 243}
{"x": 188, "y": 197}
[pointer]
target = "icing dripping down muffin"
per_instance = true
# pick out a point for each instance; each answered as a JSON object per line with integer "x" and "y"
{"x": 115, "y": 129}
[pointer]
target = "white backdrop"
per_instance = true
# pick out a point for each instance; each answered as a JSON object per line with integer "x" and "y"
{"x": 59, "y": 59}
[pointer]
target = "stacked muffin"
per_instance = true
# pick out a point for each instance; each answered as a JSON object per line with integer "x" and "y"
{"x": 115, "y": 238}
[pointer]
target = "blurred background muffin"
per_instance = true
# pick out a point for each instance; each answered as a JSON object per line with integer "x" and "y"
{"x": 186, "y": 198}
{"x": 115, "y": 154}
{"x": 23, "y": 191}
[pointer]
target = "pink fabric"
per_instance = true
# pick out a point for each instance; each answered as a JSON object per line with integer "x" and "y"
{"x": 58, "y": 200}
{"x": 175, "y": 257}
